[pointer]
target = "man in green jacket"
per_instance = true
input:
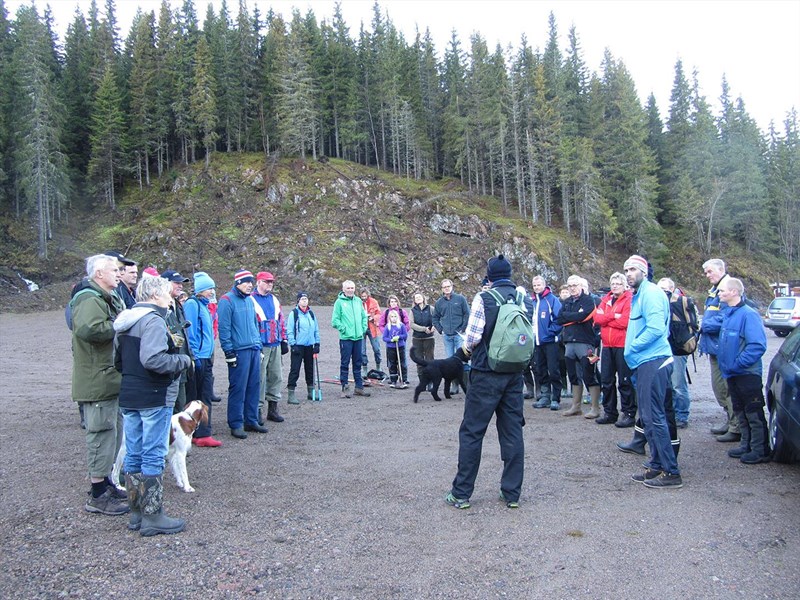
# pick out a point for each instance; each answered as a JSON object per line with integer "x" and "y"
{"x": 95, "y": 381}
{"x": 350, "y": 320}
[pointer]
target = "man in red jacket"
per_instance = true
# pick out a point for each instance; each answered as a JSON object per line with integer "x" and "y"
{"x": 612, "y": 316}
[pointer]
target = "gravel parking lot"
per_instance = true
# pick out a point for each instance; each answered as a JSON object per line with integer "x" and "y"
{"x": 345, "y": 500}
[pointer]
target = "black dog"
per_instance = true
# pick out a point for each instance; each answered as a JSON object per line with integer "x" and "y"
{"x": 450, "y": 369}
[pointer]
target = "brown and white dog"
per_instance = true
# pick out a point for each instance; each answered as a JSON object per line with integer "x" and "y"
{"x": 183, "y": 426}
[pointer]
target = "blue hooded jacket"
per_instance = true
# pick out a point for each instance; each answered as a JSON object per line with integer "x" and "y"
{"x": 742, "y": 342}
{"x": 544, "y": 308}
{"x": 201, "y": 330}
{"x": 648, "y": 327}
{"x": 712, "y": 320}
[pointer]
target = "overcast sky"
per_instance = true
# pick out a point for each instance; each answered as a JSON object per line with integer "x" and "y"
{"x": 756, "y": 44}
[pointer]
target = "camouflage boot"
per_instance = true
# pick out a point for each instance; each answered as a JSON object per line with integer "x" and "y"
{"x": 154, "y": 521}
{"x": 132, "y": 483}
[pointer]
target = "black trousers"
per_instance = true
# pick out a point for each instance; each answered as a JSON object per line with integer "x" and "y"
{"x": 546, "y": 367}
{"x": 301, "y": 355}
{"x": 391, "y": 359}
{"x": 616, "y": 374}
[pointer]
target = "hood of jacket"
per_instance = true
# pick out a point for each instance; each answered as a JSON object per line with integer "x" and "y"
{"x": 128, "y": 318}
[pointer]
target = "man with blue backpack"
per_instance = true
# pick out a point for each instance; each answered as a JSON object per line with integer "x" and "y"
{"x": 499, "y": 340}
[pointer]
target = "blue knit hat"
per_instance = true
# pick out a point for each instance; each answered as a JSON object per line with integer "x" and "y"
{"x": 203, "y": 282}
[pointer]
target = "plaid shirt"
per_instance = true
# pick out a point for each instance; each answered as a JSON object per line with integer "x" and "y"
{"x": 476, "y": 323}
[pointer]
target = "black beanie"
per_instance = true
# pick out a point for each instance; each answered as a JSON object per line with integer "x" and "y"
{"x": 498, "y": 268}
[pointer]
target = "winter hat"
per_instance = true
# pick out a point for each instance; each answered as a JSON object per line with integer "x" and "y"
{"x": 152, "y": 271}
{"x": 637, "y": 262}
{"x": 243, "y": 276}
{"x": 301, "y": 295}
{"x": 498, "y": 268}
{"x": 203, "y": 282}
{"x": 265, "y": 276}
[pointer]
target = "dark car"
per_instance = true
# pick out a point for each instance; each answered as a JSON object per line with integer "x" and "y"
{"x": 783, "y": 400}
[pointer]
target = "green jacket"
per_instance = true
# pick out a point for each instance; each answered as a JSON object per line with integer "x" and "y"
{"x": 93, "y": 374}
{"x": 349, "y": 317}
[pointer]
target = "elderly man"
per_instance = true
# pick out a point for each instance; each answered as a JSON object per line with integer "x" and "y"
{"x": 648, "y": 354}
{"x": 350, "y": 320}
{"x": 272, "y": 329}
{"x": 577, "y": 318}
{"x": 742, "y": 343}
{"x": 95, "y": 382}
{"x": 241, "y": 343}
{"x": 714, "y": 270}
{"x": 450, "y": 316}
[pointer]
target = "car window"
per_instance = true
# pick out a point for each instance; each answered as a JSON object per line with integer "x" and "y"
{"x": 783, "y": 304}
{"x": 791, "y": 345}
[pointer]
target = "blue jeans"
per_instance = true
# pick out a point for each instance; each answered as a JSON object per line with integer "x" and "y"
{"x": 680, "y": 389}
{"x": 453, "y": 342}
{"x": 146, "y": 439}
{"x": 350, "y": 350}
{"x": 244, "y": 385}
{"x": 375, "y": 342}
{"x": 652, "y": 381}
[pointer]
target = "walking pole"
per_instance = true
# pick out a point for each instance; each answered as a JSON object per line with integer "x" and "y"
{"x": 316, "y": 394}
{"x": 399, "y": 366}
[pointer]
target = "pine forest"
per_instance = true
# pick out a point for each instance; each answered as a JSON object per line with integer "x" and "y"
{"x": 562, "y": 146}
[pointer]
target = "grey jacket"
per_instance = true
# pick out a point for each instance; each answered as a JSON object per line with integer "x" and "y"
{"x": 451, "y": 316}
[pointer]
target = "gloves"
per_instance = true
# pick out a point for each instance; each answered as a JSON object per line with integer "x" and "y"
{"x": 316, "y": 348}
{"x": 462, "y": 355}
{"x": 230, "y": 358}
{"x": 284, "y": 347}
{"x": 396, "y": 339}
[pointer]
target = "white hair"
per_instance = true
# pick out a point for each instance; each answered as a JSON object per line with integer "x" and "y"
{"x": 150, "y": 288}
{"x": 97, "y": 262}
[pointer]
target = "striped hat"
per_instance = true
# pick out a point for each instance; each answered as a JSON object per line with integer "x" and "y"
{"x": 637, "y": 262}
{"x": 243, "y": 276}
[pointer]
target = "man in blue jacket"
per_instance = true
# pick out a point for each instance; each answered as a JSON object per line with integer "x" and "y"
{"x": 714, "y": 270}
{"x": 544, "y": 306}
{"x": 241, "y": 343}
{"x": 742, "y": 343}
{"x": 648, "y": 354}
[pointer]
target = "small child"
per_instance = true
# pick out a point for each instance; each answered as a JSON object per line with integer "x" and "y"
{"x": 394, "y": 335}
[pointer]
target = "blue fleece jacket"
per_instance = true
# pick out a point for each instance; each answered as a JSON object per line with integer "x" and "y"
{"x": 712, "y": 320}
{"x": 306, "y": 327}
{"x": 238, "y": 326}
{"x": 648, "y": 328}
{"x": 201, "y": 330}
{"x": 742, "y": 342}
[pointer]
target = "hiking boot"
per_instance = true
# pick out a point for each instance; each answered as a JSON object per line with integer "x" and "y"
{"x": 729, "y": 437}
{"x": 206, "y": 442}
{"x": 257, "y": 428}
{"x": 216, "y": 399}
{"x": 346, "y": 392}
{"x": 625, "y": 421}
{"x": 239, "y": 433}
{"x": 646, "y": 476}
{"x": 362, "y": 392}
{"x": 272, "y": 412}
{"x": 107, "y": 504}
{"x": 542, "y": 402}
{"x": 606, "y": 420}
{"x": 665, "y": 480}
{"x": 459, "y": 503}
{"x": 509, "y": 503}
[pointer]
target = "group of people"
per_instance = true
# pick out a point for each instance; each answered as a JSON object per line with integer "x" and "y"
{"x": 143, "y": 348}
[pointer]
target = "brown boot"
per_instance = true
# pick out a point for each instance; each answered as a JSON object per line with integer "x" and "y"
{"x": 594, "y": 393}
{"x": 577, "y": 397}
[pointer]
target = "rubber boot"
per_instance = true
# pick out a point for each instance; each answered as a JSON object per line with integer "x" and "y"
{"x": 132, "y": 483}
{"x": 364, "y": 371}
{"x": 154, "y": 521}
{"x": 577, "y": 396}
{"x": 639, "y": 441}
{"x": 594, "y": 393}
{"x": 759, "y": 440}
{"x": 272, "y": 411}
{"x": 309, "y": 392}
{"x": 292, "y": 398}
{"x": 744, "y": 444}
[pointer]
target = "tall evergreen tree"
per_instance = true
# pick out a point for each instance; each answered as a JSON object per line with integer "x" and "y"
{"x": 107, "y": 140}
{"x": 203, "y": 101}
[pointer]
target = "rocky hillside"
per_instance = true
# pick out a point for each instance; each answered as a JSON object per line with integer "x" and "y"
{"x": 313, "y": 224}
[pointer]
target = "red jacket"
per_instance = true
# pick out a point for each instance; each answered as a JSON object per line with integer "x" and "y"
{"x": 613, "y": 320}
{"x": 373, "y": 311}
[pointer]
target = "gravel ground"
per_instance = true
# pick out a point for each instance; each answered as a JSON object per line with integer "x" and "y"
{"x": 345, "y": 500}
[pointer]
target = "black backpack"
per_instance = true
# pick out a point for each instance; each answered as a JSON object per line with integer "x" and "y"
{"x": 683, "y": 328}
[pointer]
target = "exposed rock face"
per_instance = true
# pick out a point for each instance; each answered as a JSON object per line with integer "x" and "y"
{"x": 469, "y": 226}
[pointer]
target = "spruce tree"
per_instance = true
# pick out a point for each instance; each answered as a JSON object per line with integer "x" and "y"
{"x": 203, "y": 100}
{"x": 107, "y": 140}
